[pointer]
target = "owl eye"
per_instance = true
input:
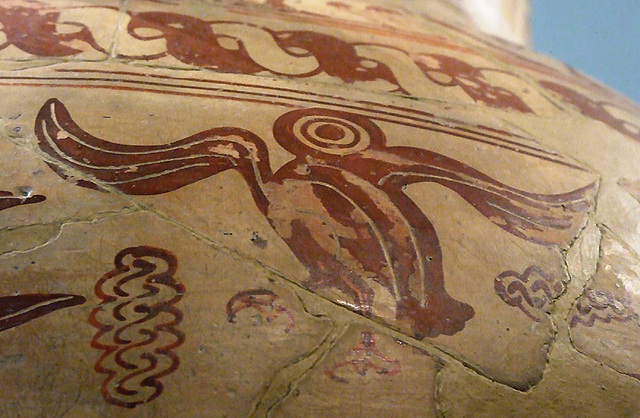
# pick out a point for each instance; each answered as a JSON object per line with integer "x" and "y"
{"x": 326, "y": 132}
{"x": 331, "y": 135}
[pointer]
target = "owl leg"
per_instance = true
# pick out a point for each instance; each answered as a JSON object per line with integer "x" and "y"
{"x": 423, "y": 299}
{"x": 326, "y": 271}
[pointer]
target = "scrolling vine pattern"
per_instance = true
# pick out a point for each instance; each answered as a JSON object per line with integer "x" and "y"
{"x": 339, "y": 204}
{"x": 228, "y": 46}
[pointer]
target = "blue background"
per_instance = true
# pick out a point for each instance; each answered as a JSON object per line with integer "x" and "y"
{"x": 598, "y": 37}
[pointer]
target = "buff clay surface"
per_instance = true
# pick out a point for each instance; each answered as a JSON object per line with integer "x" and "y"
{"x": 309, "y": 208}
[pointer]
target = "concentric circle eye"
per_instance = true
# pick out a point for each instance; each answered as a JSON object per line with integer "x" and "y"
{"x": 331, "y": 135}
{"x": 326, "y": 132}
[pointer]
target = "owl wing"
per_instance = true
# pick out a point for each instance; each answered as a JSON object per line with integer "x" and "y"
{"x": 540, "y": 218}
{"x": 351, "y": 234}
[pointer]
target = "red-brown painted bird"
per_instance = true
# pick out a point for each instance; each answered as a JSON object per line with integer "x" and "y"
{"x": 339, "y": 204}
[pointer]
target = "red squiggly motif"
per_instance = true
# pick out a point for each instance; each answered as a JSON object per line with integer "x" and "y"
{"x": 262, "y": 300}
{"x": 364, "y": 357}
{"x": 599, "y": 305}
{"x": 532, "y": 296}
{"x": 136, "y": 323}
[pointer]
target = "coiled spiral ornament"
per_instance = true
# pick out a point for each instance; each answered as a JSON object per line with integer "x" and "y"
{"x": 326, "y": 132}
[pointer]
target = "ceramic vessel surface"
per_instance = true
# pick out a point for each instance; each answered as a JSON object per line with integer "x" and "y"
{"x": 263, "y": 208}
